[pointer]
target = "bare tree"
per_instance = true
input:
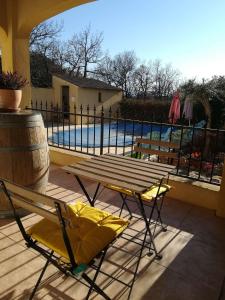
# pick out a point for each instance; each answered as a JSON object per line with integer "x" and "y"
{"x": 57, "y": 54}
{"x": 82, "y": 55}
{"x": 73, "y": 56}
{"x": 165, "y": 79}
{"x": 86, "y": 50}
{"x": 46, "y": 53}
{"x": 153, "y": 79}
{"x": 124, "y": 65}
{"x": 157, "y": 78}
{"x": 105, "y": 69}
{"x": 44, "y": 33}
{"x": 142, "y": 81}
{"x": 171, "y": 80}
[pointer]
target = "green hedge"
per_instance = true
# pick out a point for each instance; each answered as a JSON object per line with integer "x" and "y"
{"x": 156, "y": 111}
{"x": 149, "y": 110}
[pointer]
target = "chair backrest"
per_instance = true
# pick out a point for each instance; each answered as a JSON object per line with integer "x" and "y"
{"x": 162, "y": 149}
{"x": 33, "y": 201}
{"x": 40, "y": 204}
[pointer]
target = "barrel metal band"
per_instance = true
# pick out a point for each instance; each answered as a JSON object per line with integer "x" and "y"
{"x": 24, "y": 148}
{"x": 20, "y": 125}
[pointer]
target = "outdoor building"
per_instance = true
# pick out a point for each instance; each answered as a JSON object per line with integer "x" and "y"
{"x": 67, "y": 93}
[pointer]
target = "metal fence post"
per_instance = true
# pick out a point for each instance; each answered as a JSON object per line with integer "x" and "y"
{"x": 102, "y": 132}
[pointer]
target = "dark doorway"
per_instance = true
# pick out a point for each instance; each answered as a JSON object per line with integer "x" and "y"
{"x": 65, "y": 101}
{"x": 99, "y": 97}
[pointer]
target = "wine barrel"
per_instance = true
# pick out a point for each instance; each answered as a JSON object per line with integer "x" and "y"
{"x": 24, "y": 154}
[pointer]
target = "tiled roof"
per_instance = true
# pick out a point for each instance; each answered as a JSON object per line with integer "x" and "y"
{"x": 87, "y": 83}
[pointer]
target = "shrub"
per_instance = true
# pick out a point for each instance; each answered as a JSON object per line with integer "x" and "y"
{"x": 218, "y": 113}
{"x": 12, "y": 81}
{"x": 146, "y": 110}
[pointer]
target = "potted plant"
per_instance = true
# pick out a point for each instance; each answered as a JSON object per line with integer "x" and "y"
{"x": 10, "y": 90}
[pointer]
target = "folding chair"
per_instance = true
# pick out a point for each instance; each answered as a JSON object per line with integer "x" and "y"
{"x": 72, "y": 237}
{"x": 154, "y": 196}
{"x": 151, "y": 198}
{"x": 166, "y": 152}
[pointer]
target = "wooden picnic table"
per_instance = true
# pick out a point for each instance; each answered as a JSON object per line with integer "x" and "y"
{"x": 135, "y": 175}
{"x": 125, "y": 172}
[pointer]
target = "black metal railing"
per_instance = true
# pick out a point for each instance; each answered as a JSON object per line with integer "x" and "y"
{"x": 97, "y": 131}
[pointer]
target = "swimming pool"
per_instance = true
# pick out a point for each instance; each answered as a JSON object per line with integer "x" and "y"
{"x": 114, "y": 135}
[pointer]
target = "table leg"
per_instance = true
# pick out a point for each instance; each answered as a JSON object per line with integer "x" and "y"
{"x": 90, "y": 200}
{"x": 125, "y": 204}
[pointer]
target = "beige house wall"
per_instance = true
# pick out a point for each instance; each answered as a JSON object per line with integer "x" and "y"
{"x": 91, "y": 96}
{"x": 85, "y": 96}
{"x": 57, "y": 84}
{"x": 42, "y": 95}
{"x": 109, "y": 98}
{"x": 77, "y": 97}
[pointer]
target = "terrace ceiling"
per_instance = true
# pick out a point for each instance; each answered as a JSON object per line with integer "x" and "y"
{"x": 23, "y": 15}
{"x": 17, "y": 19}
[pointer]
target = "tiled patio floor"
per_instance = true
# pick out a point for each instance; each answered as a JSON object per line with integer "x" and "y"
{"x": 192, "y": 267}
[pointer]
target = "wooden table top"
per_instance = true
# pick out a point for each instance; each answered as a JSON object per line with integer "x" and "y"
{"x": 125, "y": 172}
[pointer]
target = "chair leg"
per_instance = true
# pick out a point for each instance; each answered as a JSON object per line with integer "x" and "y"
{"x": 121, "y": 210}
{"x": 40, "y": 277}
{"x": 142, "y": 210}
{"x": 137, "y": 265}
{"x": 94, "y": 286}
{"x": 150, "y": 217}
{"x": 96, "y": 274}
{"x": 126, "y": 205}
{"x": 158, "y": 210}
{"x": 164, "y": 228}
{"x": 158, "y": 220}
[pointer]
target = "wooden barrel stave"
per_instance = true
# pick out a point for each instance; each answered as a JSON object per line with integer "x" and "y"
{"x": 24, "y": 157}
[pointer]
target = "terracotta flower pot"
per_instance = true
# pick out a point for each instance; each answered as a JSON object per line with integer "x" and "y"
{"x": 10, "y": 99}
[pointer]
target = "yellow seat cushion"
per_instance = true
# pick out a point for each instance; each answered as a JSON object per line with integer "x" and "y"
{"x": 91, "y": 231}
{"x": 148, "y": 195}
{"x": 119, "y": 189}
{"x": 153, "y": 191}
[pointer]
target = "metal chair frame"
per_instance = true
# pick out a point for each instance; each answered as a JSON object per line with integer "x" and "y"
{"x": 70, "y": 268}
{"x": 173, "y": 155}
{"x": 154, "y": 202}
{"x": 142, "y": 242}
{"x": 155, "y": 206}
{"x": 147, "y": 219}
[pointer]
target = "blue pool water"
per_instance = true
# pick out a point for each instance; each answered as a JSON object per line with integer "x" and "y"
{"x": 114, "y": 135}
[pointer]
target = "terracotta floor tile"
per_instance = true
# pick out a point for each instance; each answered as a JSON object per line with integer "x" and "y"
{"x": 194, "y": 259}
{"x": 164, "y": 284}
{"x": 4, "y": 222}
{"x": 174, "y": 212}
{"x": 19, "y": 269}
{"x": 206, "y": 227}
{"x": 12, "y": 230}
{"x": 192, "y": 267}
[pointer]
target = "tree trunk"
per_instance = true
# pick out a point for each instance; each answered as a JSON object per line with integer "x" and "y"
{"x": 206, "y": 105}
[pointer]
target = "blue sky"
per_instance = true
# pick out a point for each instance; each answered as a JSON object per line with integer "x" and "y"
{"x": 189, "y": 34}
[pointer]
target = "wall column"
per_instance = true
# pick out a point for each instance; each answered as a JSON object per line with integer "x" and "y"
{"x": 17, "y": 18}
{"x": 15, "y": 57}
{"x": 22, "y": 66}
